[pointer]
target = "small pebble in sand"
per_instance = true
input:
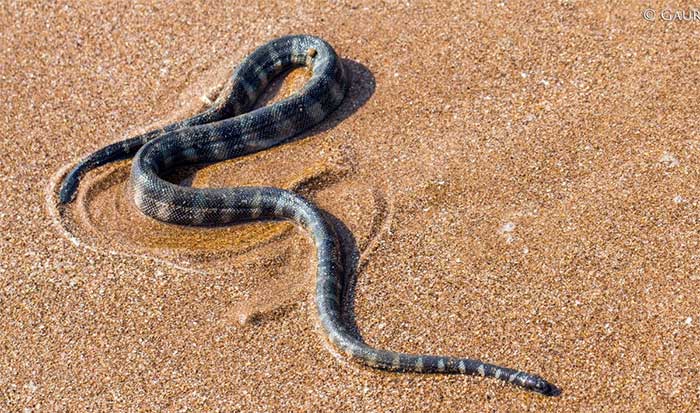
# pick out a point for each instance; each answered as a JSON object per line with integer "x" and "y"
{"x": 669, "y": 160}
{"x": 507, "y": 227}
{"x": 678, "y": 199}
{"x": 206, "y": 100}
{"x": 506, "y": 230}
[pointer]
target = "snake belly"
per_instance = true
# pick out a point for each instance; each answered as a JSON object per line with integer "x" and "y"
{"x": 229, "y": 129}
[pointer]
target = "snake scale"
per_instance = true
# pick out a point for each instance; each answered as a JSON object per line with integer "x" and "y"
{"x": 230, "y": 128}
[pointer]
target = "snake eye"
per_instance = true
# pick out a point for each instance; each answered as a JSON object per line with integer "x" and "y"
{"x": 311, "y": 52}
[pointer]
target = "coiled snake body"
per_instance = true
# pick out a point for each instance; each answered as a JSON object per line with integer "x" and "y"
{"x": 230, "y": 129}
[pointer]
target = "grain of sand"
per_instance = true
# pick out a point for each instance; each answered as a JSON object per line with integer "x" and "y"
{"x": 521, "y": 183}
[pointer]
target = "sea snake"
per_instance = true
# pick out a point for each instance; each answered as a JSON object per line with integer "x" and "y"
{"x": 228, "y": 129}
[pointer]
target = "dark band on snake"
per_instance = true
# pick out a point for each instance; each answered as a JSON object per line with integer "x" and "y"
{"x": 229, "y": 129}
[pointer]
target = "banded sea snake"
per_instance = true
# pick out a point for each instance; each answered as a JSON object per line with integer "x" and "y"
{"x": 230, "y": 129}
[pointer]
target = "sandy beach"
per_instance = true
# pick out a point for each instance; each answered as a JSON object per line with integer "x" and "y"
{"x": 518, "y": 184}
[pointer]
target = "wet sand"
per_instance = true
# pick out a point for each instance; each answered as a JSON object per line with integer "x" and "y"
{"x": 518, "y": 184}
